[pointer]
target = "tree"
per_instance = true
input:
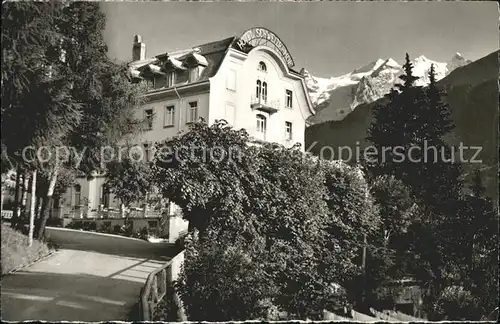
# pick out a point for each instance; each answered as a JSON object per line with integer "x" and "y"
{"x": 414, "y": 121}
{"x": 395, "y": 205}
{"x": 456, "y": 303}
{"x": 408, "y": 78}
{"x": 198, "y": 169}
{"x": 101, "y": 87}
{"x": 233, "y": 285}
{"x": 37, "y": 109}
{"x": 353, "y": 219}
{"x": 476, "y": 245}
{"x": 269, "y": 204}
{"x": 130, "y": 179}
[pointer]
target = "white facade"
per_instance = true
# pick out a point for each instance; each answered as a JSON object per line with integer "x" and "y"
{"x": 229, "y": 94}
{"x": 247, "y": 81}
{"x": 233, "y": 101}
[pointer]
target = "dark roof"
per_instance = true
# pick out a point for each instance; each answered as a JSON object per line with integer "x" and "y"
{"x": 213, "y": 52}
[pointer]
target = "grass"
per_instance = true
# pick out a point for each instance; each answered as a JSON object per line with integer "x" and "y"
{"x": 15, "y": 250}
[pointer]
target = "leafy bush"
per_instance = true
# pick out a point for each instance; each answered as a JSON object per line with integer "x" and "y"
{"x": 105, "y": 227}
{"x": 89, "y": 226}
{"x": 117, "y": 229}
{"x": 223, "y": 284}
{"x": 456, "y": 303}
{"x": 75, "y": 225}
{"x": 166, "y": 310}
{"x": 15, "y": 250}
{"x": 144, "y": 233}
{"x": 55, "y": 222}
{"x": 299, "y": 221}
{"x": 128, "y": 229}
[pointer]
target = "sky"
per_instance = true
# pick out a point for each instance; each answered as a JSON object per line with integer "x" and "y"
{"x": 326, "y": 38}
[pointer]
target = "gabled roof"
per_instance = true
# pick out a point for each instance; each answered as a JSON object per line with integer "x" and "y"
{"x": 209, "y": 55}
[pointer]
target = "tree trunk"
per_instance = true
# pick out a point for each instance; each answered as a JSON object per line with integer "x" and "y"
{"x": 1, "y": 202}
{"x": 26, "y": 184}
{"x": 32, "y": 208}
{"x": 37, "y": 207}
{"x": 363, "y": 265}
{"x": 46, "y": 203}
{"x": 15, "y": 214}
{"x": 18, "y": 224}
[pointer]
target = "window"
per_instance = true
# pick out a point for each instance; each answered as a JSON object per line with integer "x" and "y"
{"x": 262, "y": 66}
{"x": 264, "y": 91}
{"x": 193, "y": 74}
{"x": 261, "y": 124}
{"x": 152, "y": 224}
{"x": 182, "y": 77}
{"x": 160, "y": 81}
{"x": 289, "y": 98}
{"x": 78, "y": 195}
{"x": 192, "y": 115}
{"x": 170, "y": 79}
{"x": 288, "y": 131}
{"x": 231, "y": 80}
{"x": 258, "y": 89}
{"x": 169, "y": 116}
{"x": 149, "y": 118}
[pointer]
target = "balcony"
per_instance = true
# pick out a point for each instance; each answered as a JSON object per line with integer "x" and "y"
{"x": 264, "y": 104}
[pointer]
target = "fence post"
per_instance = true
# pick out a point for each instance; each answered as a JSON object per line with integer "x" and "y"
{"x": 163, "y": 283}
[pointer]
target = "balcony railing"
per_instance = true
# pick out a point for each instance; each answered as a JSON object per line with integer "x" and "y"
{"x": 108, "y": 213}
{"x": 264, "y": 104}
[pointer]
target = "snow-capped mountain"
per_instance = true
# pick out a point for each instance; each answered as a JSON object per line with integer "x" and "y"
{"x": 335, "y": 97}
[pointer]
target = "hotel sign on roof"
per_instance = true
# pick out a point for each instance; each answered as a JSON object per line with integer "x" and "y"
{"x": 262, "y": 36}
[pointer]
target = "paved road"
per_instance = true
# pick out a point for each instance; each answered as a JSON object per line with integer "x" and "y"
{"x": 78, "y": 285}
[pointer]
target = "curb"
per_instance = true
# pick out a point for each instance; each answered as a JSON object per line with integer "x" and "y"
{"x": 64, "y": 229}
{"x": 51, "y": 253}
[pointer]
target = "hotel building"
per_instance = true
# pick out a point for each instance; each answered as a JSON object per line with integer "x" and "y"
{"x": 249, "y": 81}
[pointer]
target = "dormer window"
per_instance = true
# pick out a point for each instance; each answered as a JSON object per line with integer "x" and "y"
{"x": 182, "y": 76}
{"x": 262, "y": 67}
{"x": 170, "y": 79}
{"x": 194, "y": 73}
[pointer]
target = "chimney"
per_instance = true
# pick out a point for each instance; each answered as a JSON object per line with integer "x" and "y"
{"x": 139, "y": 49}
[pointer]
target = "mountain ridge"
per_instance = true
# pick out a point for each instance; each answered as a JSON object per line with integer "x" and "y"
{"x": 472, "y": 94}
{"x": 336, "y": 97}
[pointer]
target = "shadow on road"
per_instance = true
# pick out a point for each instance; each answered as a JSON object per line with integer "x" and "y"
{"x": 112, "y": 245}
{"x": 74, "y": 297}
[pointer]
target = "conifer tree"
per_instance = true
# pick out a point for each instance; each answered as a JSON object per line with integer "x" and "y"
{"x": 408, "y": 78}
{"x": 415, "y": 119}
{"x": 439, "y": 183}
{"x": 394, "y": 127}
{"x": 414, "y": 122}
{"x": 477, "y": 238}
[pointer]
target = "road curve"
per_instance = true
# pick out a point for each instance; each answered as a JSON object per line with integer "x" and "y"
{"x": 90, "y": 278}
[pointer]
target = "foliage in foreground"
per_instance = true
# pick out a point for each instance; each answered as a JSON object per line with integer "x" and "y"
{"x": 277, "y": 229}
{"x": 15, "y": 250}
{"x": 59, "y": 88}
{"x": 452, "y": 240}
{"x": 456, "y": 304}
